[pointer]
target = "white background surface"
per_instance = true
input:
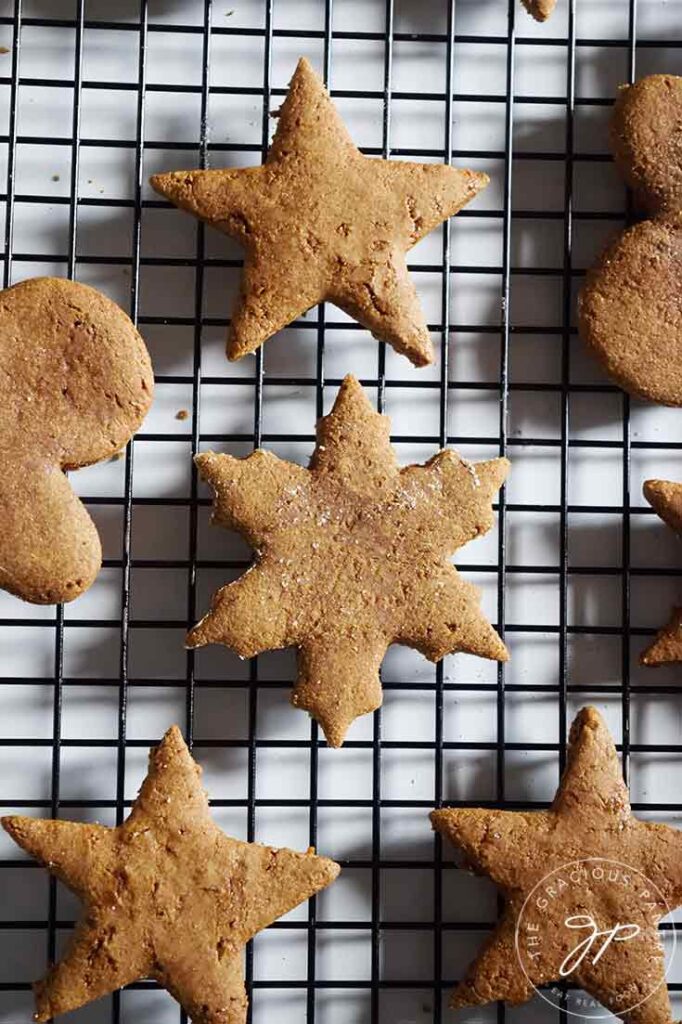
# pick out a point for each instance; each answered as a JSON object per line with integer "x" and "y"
{"x": 157, "y": 660}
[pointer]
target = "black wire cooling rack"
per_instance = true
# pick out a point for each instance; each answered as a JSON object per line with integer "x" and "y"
{"x": 138, "y": 20}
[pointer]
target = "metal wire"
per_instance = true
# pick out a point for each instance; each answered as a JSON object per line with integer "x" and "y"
{"x": 323, "y": 384}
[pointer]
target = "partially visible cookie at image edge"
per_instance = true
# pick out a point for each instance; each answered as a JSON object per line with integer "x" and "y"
{"x": 665, "y": 497}
{"x": 646, "y": 141}
{"x": 540, "y": 10}
{"x": 75, "y": 383}
{"x": 629, "y": 309}
{"x": 586, "y": 865}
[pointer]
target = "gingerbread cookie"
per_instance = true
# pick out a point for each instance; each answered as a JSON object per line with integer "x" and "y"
{"x": 646, "y": 140}
{"x": 352, "y": 554}
{"x": 320, "y": 221}
{"x": 539, "y": 9}
{"x": 166, "y": 895}
{"x": 76, "y": 382}
{"x": 585, "y": 885}
{"x": 629, "y": 308}
{"x": 665, "y": 497}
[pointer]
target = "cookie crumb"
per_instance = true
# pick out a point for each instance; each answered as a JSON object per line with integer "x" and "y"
{"x": 182, "y": 414}
{"x": 4, "y": 49}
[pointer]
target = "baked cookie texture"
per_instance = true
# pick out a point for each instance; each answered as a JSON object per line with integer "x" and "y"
{"x": 646, "y": 140}
{"x": 319, "y": 221}
{"x": 166, "y": 895}
{"x": 539, "y": 9}
{"x": 629, "y": 310}
{"x": 75, "y": 384}
{"x": 352, "y": 555}
{"x": 665, "y": 497}
{"x": 590, "y": 817}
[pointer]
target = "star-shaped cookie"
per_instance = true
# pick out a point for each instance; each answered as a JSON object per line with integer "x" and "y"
{"x": 570, "y": 874}
{"x": 319, "y": 221}
{"x": 352, "y": 555}
{"x": 665, "y": 497}
{"x": 167, "y": 895}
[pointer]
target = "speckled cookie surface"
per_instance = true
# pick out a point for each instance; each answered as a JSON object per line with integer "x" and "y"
{"x": 75, "y": 383}
{"x": 587, "y": 857}
{"x": 539, "y": 9}
{"x": 166, "y": 895}
{"x": 629, "y": 308}
{"x": 320, "y": 221}
{"x": 665, "y": 497}
{"x": 646, "y": 139}
{"x": 352, "y": 555}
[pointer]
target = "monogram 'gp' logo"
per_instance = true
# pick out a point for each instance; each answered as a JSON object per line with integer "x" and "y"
{"x": 564, "y": 928}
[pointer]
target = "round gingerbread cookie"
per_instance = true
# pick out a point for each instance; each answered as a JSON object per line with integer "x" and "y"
{"x": 630, "y": 310}
{"x": 646, "y": 140}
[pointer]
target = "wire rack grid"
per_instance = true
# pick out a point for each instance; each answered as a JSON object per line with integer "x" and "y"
{"x": 95, "y": 97}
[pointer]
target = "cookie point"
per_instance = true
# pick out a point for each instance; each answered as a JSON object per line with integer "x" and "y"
{"x": 650, "y": 487}
{"x": 331, "y": 868}
{"x": 438, "y": 819}
{"x": 9, "y": 822}
{"x": 194, "y": 638}
{"x": 425, "y": 358}
{"x": 666, "y": 647}
{"x": 350, "y": 383}
{"x": 334, "y": 729}
{"x": 589, "y": 718}
{"x": 209, "y": 465}
{"x": 161, "y": 182}
{"x": 352, "y": 393}
{"x": 203, "y": 459}
{"x": 305, "y": 72}
{"x": 539, "y": 10}
{"x": 458, "y": 1000}
{"x": 173, "y": 740}
{"x": 334, "y": 737}
{"x": 43, "y": 1011}
{"x": 656, "y": 490}
{"x": 206, "y": 631}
